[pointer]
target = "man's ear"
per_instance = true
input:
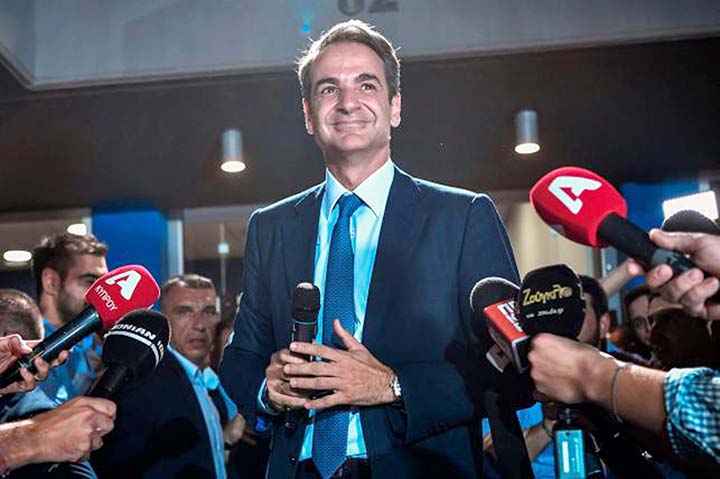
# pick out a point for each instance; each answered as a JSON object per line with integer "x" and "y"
{"x": 51, "y": 282}
{"x": 395, "y": 110}
{"x": 309, "y": 127}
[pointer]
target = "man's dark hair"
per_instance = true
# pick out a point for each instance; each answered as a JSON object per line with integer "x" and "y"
{"x": 19, "y": 315}
{"x": 599, "y": 298}
{"x": 353, "y": 31}
{"x": 59, "y": 252}
{"x": 635, "y": 293}
{"x": 190, "y": 280}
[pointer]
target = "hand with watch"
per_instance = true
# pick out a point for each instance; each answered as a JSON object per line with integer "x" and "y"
{"x": 354, "y": 377}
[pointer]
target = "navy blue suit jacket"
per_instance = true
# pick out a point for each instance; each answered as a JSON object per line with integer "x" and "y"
{"x": 435, "y": 243}
{"x": 159, "y": 431}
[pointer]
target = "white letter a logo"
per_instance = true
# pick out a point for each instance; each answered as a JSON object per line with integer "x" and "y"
{"x": 128, "y": 284}
{"x": 577, "y": 185}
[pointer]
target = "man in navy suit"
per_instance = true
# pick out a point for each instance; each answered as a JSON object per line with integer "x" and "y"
{"x": 395, "y": 259}
{"x": 178, "y": 421}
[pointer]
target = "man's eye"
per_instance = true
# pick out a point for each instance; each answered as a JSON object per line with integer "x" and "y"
{"x": 328, "y": 90}
{"x": 368, "y": 87}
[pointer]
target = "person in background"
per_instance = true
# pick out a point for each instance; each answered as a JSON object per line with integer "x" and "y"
{"x": 20, "y": 315}
{"x": 679, "y": 340}
{"x": 179, "y": 420}
{"x": 64, "y": 267}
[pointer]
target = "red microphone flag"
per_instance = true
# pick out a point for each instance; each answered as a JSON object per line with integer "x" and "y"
{"x": 574, "y": 201}
{"x": 120, "y": 291}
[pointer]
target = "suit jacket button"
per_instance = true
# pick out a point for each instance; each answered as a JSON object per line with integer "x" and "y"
{"x": 293, "y": 460}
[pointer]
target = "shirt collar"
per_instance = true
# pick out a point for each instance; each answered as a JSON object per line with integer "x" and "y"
{"x": 206, "y": 377}
{"x": 373, "y": 191}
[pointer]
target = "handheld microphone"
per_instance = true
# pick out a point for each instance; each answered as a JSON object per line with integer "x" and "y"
{"x": 305, "y": 307}
{"x": 551, "y": 301}
{"x": 110, "y": 297}
{"x": 133, "y": 348}
{"x": 492, "y": 301}
{"x": 585, "y": 208}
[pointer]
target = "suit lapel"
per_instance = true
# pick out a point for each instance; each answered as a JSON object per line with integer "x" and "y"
{"x": 299, "y": 238}
{"x": 403, "y": 222}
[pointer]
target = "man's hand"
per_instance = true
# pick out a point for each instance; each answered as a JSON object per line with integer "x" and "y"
{"x": 280, "y": 395}
{"x": 67, "y": 433}
{"x": 691, "y": 289}
{"x": 13, "y": 347}
{"x": 569, "y": 371}
{"x": 354, "y": 376}
{"x": 237, "y": 430}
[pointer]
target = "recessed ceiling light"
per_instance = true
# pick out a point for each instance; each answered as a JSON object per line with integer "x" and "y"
{"x": 17, "y": 256}
{"x": 79, "y": 229}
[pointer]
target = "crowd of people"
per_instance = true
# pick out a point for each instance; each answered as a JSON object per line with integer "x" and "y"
{"x": 391, "y": 394}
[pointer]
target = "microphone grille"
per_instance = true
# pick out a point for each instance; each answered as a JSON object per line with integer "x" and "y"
{"x": 139, "y": 341}
{"x": 306, "y": 302}
{"x": 490, "y": 290}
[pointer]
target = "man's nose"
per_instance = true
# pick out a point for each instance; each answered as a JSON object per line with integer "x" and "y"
{"x": 348, "y": 100}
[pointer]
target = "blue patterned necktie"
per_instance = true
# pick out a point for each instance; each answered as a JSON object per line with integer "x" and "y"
{"x": 331, "y": 426}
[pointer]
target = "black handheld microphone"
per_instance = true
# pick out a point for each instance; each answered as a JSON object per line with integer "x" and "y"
{"x": 493, "y": 304}
{"x": 305, "y": 307}
{"x": 304, "y": 311}
{"x": 492, "y": 301}
{"x": 132, "y": 350}
{"x": 551, "y": 301}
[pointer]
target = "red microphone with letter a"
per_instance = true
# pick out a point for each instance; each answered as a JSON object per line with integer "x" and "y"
{"x": 585, "y": 208}
{"x": 110, "y": 298}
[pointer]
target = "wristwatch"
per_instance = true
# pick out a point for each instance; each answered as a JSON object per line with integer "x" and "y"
{"x": 396, "y": 389}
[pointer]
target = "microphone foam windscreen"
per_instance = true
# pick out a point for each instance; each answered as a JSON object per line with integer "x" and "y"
{"x": 305, "y": 303}
{"x": 691, "y": 221}
{"x": 551, "y": 301}
{"x": 138, "y": 341}
{"x": 574, "y": 201}
{"x": 120, "y": 291}
{"x": 490, "y": 291}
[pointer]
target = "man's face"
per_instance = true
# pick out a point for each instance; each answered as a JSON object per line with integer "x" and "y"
{"x": 590, "y": 331}
{"x": 350, "y": 111}
{"x": 639, "y": 307}
{"x": 80, "y": 276}
{"x": 638, "y": 312}
{"x": 193, "y": 317}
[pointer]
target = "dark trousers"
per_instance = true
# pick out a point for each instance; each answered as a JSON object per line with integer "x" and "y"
{"x": 351, "y": 469}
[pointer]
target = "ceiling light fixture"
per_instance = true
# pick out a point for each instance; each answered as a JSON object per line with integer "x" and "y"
{"x": 17, "y": 256}
{"x": 526, "y": 132}
{"x": 233, "y": 160}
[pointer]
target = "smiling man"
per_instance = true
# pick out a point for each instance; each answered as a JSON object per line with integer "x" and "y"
{"x": 395, "y": 259}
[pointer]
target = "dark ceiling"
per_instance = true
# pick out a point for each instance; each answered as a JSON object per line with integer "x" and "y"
{"x": 640, "y": 113}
